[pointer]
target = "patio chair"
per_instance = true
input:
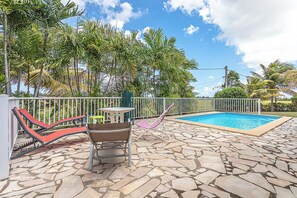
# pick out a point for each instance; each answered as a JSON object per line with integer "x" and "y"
{"x": 43, "y": 126}
{"x": 38, "y": 140}
{"x": 143, "y": 124}
{"x": 109, "y": 136}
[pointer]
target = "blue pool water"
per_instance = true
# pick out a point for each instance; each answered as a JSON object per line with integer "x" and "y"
{"x": 232, "y": 120}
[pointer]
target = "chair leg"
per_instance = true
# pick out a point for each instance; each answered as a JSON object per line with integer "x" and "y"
{"x": 143, "y": 133}
{"x": 91, "y": 156}
{"x": 129, "y": 153}
{"x": 125, "y": 151}
{"x": 163, "y": 133}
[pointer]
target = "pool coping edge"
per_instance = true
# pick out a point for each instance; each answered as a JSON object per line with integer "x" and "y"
{"x": 259, "y": 131}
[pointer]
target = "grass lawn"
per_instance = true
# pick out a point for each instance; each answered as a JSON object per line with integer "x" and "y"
{"x": 290, "y": 114}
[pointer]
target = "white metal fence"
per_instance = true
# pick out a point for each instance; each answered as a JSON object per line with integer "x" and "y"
{"x": 52, "y": 109}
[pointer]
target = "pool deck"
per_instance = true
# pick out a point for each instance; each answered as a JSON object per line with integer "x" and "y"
{"x": 254, "y": 132}
{"x": 196, "y": 162}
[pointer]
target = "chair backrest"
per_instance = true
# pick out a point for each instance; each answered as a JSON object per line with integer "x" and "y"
{"x": 162, "y": 117}
{"x": 109, "y": 132}
{"x": 31, "y": 119}
{"x": 25, "y": 127}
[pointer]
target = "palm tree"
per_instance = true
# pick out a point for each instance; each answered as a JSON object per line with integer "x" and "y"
{"x": 15, "y": 16}
{"x": 70, "y": 50}
{"x": 256, "y": 87}
{"x": 49, "y": 16}
{"x": 157, "y": 45}
{"x": 49, "y": 83}
{"x": 95, "y": 42}
{"x": 290, "y": 85}
{"x": 272, "y": 79}
{"x": 26, "y": 50}
{"x": 233, "y": 80}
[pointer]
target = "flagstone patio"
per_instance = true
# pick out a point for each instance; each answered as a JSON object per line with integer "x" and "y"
{"x": 197, "y": 162}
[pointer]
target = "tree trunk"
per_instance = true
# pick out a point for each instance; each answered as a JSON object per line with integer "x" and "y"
{"x": 89, "y": 83}
{"x": 6, "y": 65}
{"x": 154, "y": 82}
{"x": 272, "y": 104}
{"x": 77, "y": 75}
{"x": 19, "y": 83}
{"x": 69, "y": 81}
{"x": 109, "y": 80}
{"x": 28, "y": 83}
{"x": 46, "y": 34}
{"x": 115, "y": 75}
{"x": 98, "y": 79}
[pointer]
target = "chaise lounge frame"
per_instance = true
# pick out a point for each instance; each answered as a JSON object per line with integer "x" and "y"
{"x": 43, "y": 126}
{"x": 38, "y": 140}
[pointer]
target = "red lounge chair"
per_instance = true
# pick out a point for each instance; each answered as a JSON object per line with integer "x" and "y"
{"x": 39, "y": 140}
{"x": 43, "y": 126}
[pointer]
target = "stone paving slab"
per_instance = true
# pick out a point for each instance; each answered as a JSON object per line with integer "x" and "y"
{"x": 196, "y": 162}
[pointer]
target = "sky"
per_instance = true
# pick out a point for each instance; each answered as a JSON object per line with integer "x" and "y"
{"x": 216, "y": 33}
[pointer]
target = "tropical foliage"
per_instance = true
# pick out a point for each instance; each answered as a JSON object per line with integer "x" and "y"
{"x": 233, "y": 80}
{"x": 43, "y": 55}
{"x": 231, "y": 92}
{"x": 92, "y": 59}
{"x": 271, "y": 81}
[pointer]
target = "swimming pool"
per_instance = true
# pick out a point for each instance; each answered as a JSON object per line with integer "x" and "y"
{"x": 232, "y": 120}
{"x": 249, "y": 124}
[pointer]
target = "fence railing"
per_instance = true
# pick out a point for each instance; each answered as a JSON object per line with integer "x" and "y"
{"x": 52, "y": 109}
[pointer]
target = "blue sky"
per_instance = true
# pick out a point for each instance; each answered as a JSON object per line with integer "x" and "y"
{"x": 240, "y": 35}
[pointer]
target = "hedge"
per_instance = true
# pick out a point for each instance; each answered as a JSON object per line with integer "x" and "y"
{"x": 294, "y": 101}
{"x": 231, "y": 92}
{"x": 279, "y": 106}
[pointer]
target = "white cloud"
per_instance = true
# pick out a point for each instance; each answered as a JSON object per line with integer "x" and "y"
{"x": 141, "y": 32}
{"x": 127, "y": 33}
{"x": 210, "y": 90}
{"x": 119, "y": 18}
{"x": 210, "y": 77}
{"x": 109, "y": 3}
{"x": 139, "y": 35}
{"x": 191, "y": 29}
{"x": 262, "y": 31}
{"x": 116, "y": 13}
{"x": 146, "y": 29}
{"x": 105, "y": 4}
{"x": 188, "y": 6}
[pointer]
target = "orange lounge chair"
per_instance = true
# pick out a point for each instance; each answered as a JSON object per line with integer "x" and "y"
{"x": 39, "y": 140}
{"x": 43, "y": 126}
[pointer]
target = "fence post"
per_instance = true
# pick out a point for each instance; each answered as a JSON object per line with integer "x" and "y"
{"x": 181, "y": 106}
{"x": 164, "y": 104}
{"x": 259, "y": 106}
{"x": 4, "y": 137}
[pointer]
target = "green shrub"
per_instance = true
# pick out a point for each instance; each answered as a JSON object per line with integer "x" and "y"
{"x": 2, "y": 84}
{"x": 231, "y": 92}
{"x": 294, "y": 100}
{"x": 279, "y": 107}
